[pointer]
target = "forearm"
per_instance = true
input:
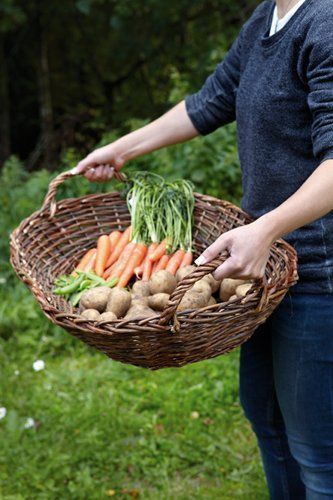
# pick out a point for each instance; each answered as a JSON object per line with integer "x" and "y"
{"x": 171, "y": 128}
{"x": 312, "y": 200}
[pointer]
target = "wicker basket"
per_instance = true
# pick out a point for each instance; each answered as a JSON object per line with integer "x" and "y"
{"x": 52, "y": 240}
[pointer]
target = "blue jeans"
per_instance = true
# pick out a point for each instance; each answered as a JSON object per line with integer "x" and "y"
{"x": 286, "y": 390}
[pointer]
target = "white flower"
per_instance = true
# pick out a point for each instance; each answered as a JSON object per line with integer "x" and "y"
{"x": 38, "y": 365}
{"x": 3, "y": 412}
{"x": 29, "y": 423}
{"x": 17, "y": 372}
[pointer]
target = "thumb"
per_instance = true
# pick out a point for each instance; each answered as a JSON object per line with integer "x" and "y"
{"x": 219, "y": 246}
{"x": 83, "y": 165}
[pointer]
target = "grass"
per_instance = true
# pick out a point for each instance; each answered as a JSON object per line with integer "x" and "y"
{"x": 104, "y": 429}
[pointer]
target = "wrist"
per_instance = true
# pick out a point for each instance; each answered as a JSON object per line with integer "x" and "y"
{"x": 269, "y": 226}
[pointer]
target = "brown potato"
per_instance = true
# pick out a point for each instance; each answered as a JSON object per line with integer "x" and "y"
{"x": 162, "y": 282}
{"x": 141, "y": 288}
{"x": 202, "y": 287}
{"x": 214, "y": 284}
{"x": 108, "y": 316}
{"x": 228, "y": 288}
{"x": 139, "y": 299}
{"x": 211, "y": 301}
{"x": 192, "y": 300}
{"x": 158, "y": 301}
{"x": 119, "y": 302}
{"x": 91, "y": 314}
{"x": 184, "y": 271}
{"x": 140, "y": 312}
{"x": 233, "y": 297}
{"x": 96, "y": 298}
{"x": 242, "y": 290}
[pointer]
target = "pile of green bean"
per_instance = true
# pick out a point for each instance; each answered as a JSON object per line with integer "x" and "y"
{"x": 72, "y": 286}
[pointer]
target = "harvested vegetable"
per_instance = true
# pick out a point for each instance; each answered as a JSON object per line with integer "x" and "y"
{"x": 91, "y": 262}
{"x": 175, "y": 261}
{"x": 135, "y": 260}
{"x": 158, "y": 301}
{"x": 103, "y": 253}
{"x": 162, "y": 263}
{"x": 162, "y": 282}
{"x": 212, "y": 301}
{"x": 84, "y": 261}
{"x": 96, "y": 298}
{"x": 192, "y": 300}
{"x": 119, "y": 302}
{"x": 203, "y": 287}
{"x": 147, "y": 265}
{"x": 121, "y": 263}
{"x": 121, "y": 244}
{"x": 114, "y": 238}
{"x": 187, "y": 259}
{"x": 214, "y": 284}
{"x": 159, "y": 251}
{"x": 137, "y": 312}
{"x": 107, "y": 316}
{"x": 242, "y": 290}
{"x": 228, "y": 288}
{"x": 73, "y": 287}
{"x": 184, "y": 271}
{"x": 141, "y": 289}
{"x": 91, "y": 314}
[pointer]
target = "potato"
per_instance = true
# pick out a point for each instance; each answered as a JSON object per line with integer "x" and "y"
{"x": 158, "y": 301}
{"x": 203, "y": 287}
{"x": 96, "y": 298}
{"x": 108, "y": 316}
{"x": 139, "y": 312}
{"x": 228, "y": 287}
{"x": 141, "y": 288}
{"x": 139, "y": 299}
{"x": 242, "y": 290}
{"x": 233, "y": 297}
{"x": 162, "y": 282}
{"x": 214, "y": 284}
{"x": 212, "y": 301}
{"x": 91, "y": 314}
{"x": 192, "y": 300}
{"x": 184, "y": 271}
{"x": 119, "y": 302}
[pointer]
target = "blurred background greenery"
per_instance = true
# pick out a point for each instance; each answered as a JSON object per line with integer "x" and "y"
{"x": 75, "y": 75}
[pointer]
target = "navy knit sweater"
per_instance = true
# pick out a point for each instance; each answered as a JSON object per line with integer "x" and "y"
{"x": 279, "y": 89}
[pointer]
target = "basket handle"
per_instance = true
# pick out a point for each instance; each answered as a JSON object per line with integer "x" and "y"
{"x": 186, "y": 283}
{"x": 50, "y": 204}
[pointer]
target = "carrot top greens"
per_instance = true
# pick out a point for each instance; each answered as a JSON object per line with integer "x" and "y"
{"x": 161, "y": 210}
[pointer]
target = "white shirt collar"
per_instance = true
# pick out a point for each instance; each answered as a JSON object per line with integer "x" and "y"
{"x": 277, "y": 23}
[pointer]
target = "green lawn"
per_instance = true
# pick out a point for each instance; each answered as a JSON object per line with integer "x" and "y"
{"x": 104, "y": 429}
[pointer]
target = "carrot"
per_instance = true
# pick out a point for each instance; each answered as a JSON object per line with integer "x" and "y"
{"x": 118, "y": 249}
{"x": 84, "y": 261}
{"x": 135, "y": 259}
{"x": 121, "y": 263}
{"x": 90, "y": 264}
{"x": 162, "y": 263}
{"x": 148, "y": 263}
{"x": 160, "y": 250}
{"x": 175, "y": 261}
{"x": 114, "y": 238}
{"x": 187, "y": 259}
{"x": 103, "y": 253}
{"x": 108, "y": 270}
{"x": 138, "y": 271}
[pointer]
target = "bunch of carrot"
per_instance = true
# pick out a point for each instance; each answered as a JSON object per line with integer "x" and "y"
{"x": 117, "y": 256}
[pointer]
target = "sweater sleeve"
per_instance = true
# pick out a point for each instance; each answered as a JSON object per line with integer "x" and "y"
{"x": 214, "y": 104}
{"x": 319, "y": 77}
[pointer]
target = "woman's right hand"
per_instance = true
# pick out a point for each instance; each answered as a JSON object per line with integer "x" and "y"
{"x": 100, "y": 164}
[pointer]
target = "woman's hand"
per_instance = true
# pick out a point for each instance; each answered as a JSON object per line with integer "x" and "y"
{"x": 100, "y": 165}
{"x": 248, "y": 249}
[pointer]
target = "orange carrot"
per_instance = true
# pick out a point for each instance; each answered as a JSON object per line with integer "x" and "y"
{"x": 148, "y": 263}
{"x": 138, "y": 271}
{"x": 118, "y": 249}
{"x": 175, "y": 261}
{"x": 84, "y": 261}
{"x": 90, "y": 264}
{"x": 135, "y": 259}
{"x": 114, "y": 238}
{"x": 162, "y": 263}
{"x": 160, "y": 250}
{"x": 103, "y": 253}
{"x": 108, "y": 270}
{"x": 187, "y": 260}
{"x": 121, "y": 263}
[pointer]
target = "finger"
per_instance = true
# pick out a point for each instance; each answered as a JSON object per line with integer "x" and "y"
{"x": 90, "y": 174}
{"x": 219, "y": 246}
{"x": 84, "y": 165}
{"x": 226, "y": 270}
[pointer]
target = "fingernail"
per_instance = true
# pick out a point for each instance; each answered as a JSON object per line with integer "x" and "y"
{"x": 200, "y": 260}
{"x": 74, "y": 171}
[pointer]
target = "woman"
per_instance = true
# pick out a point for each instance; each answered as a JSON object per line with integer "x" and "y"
{"x": 277, "y": 83}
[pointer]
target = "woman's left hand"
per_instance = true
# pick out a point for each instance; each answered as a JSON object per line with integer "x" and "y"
{"x": 248, "y": 249}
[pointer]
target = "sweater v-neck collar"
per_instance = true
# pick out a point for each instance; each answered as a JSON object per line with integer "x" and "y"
{"x": 268, "y": 41}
